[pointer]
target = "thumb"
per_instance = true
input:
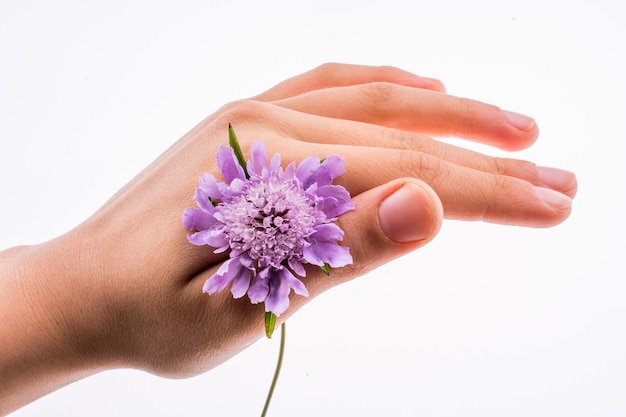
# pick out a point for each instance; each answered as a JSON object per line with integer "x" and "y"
{"x": 409, "y": 215}
{"x": 389, "y": 221}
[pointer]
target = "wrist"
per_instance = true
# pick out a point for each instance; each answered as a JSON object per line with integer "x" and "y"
{"x": 45, "y": 344}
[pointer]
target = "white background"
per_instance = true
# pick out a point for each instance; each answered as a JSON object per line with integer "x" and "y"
{"x": 486, "y": 321}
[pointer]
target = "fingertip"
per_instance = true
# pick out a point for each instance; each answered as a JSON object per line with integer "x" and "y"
{"x": 411, "y": 213}
{"x": 558, "y": 179}
{"x": 524, "y": 129}
{"x": 519, "y": 121}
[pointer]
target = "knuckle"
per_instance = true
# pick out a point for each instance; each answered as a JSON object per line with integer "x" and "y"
{"x": 382, "y": 94}
{"x": 402, "y": 139}
{"x": 499, "y": 165}
{"x": 466, "y": 105}
{"x": 513, "y": 168}
{"x": 502, "y": 192}
{"x": 389, "y": 69}
{"x": 245, "y": 111}
{"x": 324, "y": 72}
{"x": 389, "y": 72}
{"x": 468, "y": 114}
{"x": 427, "y": 168}
{"x": 501, "y": 185}
{"x": 327, "y": 68}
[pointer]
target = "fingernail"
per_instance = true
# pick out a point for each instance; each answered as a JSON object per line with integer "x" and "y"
{"x": 519, "y": 121}
{"x": 406, "y": 215}
{"x": 553, "y": 198}
{"x": 557, "y": 179}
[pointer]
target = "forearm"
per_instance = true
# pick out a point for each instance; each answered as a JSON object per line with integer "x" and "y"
{"x": 37, "y": 355}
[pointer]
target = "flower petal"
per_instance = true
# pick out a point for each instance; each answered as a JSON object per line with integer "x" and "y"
{"x": 321, "y": 252}
{"x": 236, "y": 186}
{"x": 275, "y": 163}
{"x": 333, "y": 208}
{"x": 216, "y": 237}
{"x": 336, "y": 200}
{"x": 312, "y": 171}
{"x": 328, "y": 231}
{"x": 227, "y": 272}
{"x": 198, "y": 238}
{"x": 241, "y": 283}
{"x": 259, "y": 289}
{"x": 329, "y": 169}
{"x": 297, "y": 285}
{"x": 258, "y": 159}
{"x": 209, "y": 187}
{"x": 196, "y": 219}
{"x": 228, "y": 165}
{"x": 306, "y": 169}
{"x": 297, "y": 267}
{"x": 277, "y": 300}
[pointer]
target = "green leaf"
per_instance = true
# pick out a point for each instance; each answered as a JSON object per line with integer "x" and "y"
{"x": 234, "y": 143}
{"x": 270, "y": 323}
{"x": 325, "y": 269}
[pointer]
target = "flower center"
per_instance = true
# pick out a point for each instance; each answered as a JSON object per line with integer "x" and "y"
{"x": 270, "y": 219}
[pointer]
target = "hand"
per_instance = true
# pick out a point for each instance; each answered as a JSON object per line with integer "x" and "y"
{"x": 124, "y": 289}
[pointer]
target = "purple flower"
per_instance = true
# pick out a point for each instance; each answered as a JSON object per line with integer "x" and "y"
{"x": 273, "y": 221}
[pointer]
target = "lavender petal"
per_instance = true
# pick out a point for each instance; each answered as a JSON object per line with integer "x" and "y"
{"x": 328, "y": 231}
{"x": 277, "y": 300}
{"x": 227, "y": 272}
{"x": 198, "y": 238}
{"x": 241, "y": 282}
{"x": 228, "y": 165}
{"x": 259, "y": 289}
{"x": 297, "y": 267}
{"x": 321, "y": 252}
{"x": 209, "y": 187}
{"x": 306, "y": 170}
{"x": 196, "y": 219}
{"x": 258, "y": 160}
{"x": 275, "y": 163}
{"x": 330, "y": 168}
{"x": 216, "y": 237}
{"x": 297, "y": 285}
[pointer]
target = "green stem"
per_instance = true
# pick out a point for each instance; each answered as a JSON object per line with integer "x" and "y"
{"x": 279, "y": 364}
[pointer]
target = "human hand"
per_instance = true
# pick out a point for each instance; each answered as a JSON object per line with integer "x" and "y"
{"x": 131, "y": 295}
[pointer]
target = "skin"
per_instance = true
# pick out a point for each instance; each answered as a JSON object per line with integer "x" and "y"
{"x": 124, "y": 288}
